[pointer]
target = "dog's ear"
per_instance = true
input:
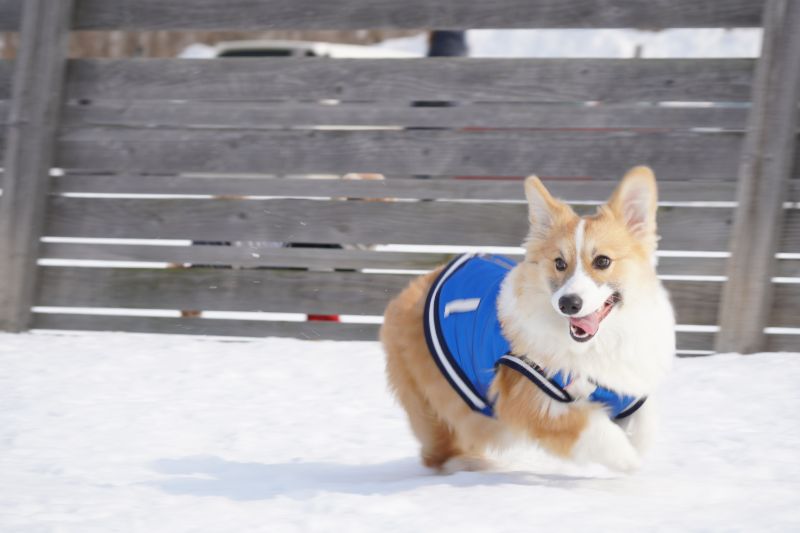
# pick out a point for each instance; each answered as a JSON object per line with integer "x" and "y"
{"x": 635, "y": 202}
{"x": 544, "y": 211}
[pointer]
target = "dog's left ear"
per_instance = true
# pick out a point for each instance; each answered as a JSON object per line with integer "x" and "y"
{"x": 635, "y": 202}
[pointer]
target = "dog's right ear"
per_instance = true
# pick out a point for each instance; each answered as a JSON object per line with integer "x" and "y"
{"x": 543, "y": 209}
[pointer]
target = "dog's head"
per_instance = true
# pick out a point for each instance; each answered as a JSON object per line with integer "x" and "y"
{"x": 588, "y": 267}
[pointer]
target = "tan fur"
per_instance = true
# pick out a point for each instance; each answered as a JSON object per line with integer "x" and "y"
{"x": 445, "y": 426}
{"x": 517, "y": 403}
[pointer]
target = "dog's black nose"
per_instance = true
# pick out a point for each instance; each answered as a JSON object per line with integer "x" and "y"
{"x": 570, "y": 304}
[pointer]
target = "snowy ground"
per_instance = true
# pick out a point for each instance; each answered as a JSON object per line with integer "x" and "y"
{"x": 117, "y": 432}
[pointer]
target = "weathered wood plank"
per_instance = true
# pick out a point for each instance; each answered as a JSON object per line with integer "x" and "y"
{"x": 788, "y": 268}
{"x": 432, "y": 189}
{"x": 600, "y": 155}
{"x": 33, "y": 120}
{"x": 784, "y": 312}
{"x": 783, "y": 343}
{"x": 412, "y": 14}
{"x": 442, "y": 188}
{"x": 253, "y": 254}
{"x": 289, "y": 220}
{"x": 438, "y": 79}
{"x": 10, "y": 15}
{"x": 6, "y": 77}
{"x": 200, "y": 326}
{"x": 285, "y": 291}
{"x": 249, "y": 255}
{"x": 157, "y": 114}
{"x": 766, "y": 166}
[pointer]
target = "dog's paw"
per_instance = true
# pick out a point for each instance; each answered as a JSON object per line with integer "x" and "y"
{"x": 627, "y": 463}
{"x": 604, "y": 442}
{"x": 464, "y": 463}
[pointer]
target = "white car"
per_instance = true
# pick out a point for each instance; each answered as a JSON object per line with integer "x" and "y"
{"x": 278, "y": 48}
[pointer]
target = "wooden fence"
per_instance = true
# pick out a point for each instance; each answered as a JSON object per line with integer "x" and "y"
{"x": 198, "y": 150}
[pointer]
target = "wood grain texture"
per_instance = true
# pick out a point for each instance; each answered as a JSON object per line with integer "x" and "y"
{"x": 254, "y": 254}
{"x": 249, "y": 255}
{"x": 288, "y": 220}
{"x": 767, "y": 162}
{"x": 438, "y": 79}
{"x": 287, "y": 291}
{"x": 10, "y": 15}
{"x": 268, "y": 115}
{"x": 28, "y": 153}
{"x": 200, "y": 326}
{"x": 6, "y": 76}
{"x": 396, "y": 188}
{"x": 599, "y": 155}
{"x": 284, "y": 291}
{"x": 411, "y": 14}
{"x": 785, "y": 301}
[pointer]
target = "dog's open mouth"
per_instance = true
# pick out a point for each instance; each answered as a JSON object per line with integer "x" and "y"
{"x": 584, "y": 328}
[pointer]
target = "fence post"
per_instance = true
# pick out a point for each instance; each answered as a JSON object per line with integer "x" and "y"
{"x": 32, "y": 124}
{"x": 765, "y": 168}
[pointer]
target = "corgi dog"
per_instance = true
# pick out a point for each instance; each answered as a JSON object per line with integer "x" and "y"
{"x": 566, "y": 348}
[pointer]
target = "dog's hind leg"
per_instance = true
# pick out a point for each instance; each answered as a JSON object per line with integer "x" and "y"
{"x": 438, "y": 443}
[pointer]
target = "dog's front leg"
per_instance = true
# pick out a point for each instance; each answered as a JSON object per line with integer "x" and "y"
{"x": 602, "y": 441}
{"x": 583, "y": 433}
{"x": 642, "y": 426}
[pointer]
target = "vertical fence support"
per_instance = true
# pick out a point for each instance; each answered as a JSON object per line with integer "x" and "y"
{"x": 32, "y": 124}
{"x": 764, "y": 173}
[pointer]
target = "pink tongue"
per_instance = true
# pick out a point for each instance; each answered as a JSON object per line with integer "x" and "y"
{"x": 589, "y": 323}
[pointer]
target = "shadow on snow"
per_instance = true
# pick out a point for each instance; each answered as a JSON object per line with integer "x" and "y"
{"x": 213, "y": 476}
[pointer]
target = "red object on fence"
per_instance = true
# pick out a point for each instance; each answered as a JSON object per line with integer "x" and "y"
{"x": 323, "y": 318}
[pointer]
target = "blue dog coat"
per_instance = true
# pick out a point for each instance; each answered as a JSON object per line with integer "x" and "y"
{"x": 465, "y": 339}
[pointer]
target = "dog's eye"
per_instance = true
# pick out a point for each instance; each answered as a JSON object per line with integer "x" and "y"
{"x": 601, "y": 262}
{"x": 561, "y": 265}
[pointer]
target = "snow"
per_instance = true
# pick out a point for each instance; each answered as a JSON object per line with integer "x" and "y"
{"x": 620, "y": 43}
{"x": 122, "y": 432}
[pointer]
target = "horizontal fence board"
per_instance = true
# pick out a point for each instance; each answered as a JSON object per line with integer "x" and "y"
{"x": 694, "y": 340}
{"x": 785, "y": 306}
{"x": 6, "y": 75}
{"x": 457, "y": 79}
{"x": 571, "y": 190}
{"x": 251, "y": 255}
{"x": 199, "y": 326}
{"x": 286, "y": 291}
{"x": 431, "y": 189}
{"x": 411, "y": 14}
{"x": 600, "y": 155}
{"x": 789, "y": 268}
{"x": 341, "y": 222}
{"x": 783, "y": 343}
{"x": 10, "y": 15}
{"x": 254, "y": 254}
{"x": 157, "y": 114}
{"x": 283, "y": 291}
